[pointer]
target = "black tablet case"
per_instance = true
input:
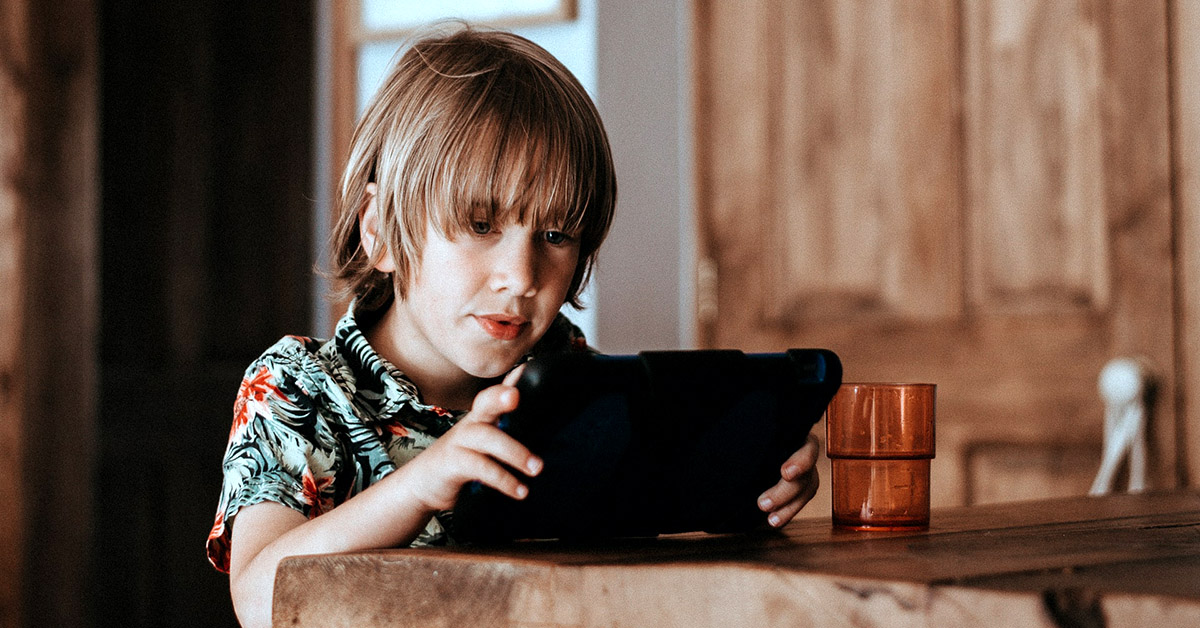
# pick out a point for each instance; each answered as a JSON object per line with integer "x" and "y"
{"x": 657, "y": 443}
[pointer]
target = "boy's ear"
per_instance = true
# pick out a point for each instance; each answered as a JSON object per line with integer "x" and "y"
{"x": 368, "y": 231}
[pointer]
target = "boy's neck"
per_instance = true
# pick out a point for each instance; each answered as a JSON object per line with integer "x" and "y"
{"x": 449, "y": 397}
{"x": 437, "y": 389}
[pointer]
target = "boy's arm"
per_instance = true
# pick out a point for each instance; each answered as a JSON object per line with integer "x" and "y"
{"x": 265, "y": 533}
{"x": 390, "y": 513}
{"x": 252, "y": 570}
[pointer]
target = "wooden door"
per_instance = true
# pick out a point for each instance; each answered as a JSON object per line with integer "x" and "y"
{"x": 975, "y": 194}
{"x": 49, "y": 311}
{"x": 206, "y": 258}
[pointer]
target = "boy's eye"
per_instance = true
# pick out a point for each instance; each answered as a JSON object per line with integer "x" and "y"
{"x": 556, "y": 237}
{"x": 481, "y": 227}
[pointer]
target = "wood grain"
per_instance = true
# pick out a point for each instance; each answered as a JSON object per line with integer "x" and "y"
{"x": 1185, "y": 97}
{"x": 49, "y": 200}
{"x": 863, "y": 135}
{"x": 207, "y": 256}
{"x": 13, "y": 55}
{"x": 1137, "y": 122}
{"x": 1028, "y": 564}
{"x": 1036, "y": 173}
{"x": 975, "y": 194}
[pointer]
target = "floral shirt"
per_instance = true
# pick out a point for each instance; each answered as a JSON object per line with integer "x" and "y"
{"x": 316, "y": 422}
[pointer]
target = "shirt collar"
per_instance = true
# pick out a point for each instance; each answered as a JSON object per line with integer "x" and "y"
{"x": 379, "y": 388}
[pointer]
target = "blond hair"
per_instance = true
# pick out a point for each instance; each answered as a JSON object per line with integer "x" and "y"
{"x": 468, "y": 122}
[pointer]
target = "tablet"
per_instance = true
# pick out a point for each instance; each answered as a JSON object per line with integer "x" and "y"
{"x": 655, "y": 443}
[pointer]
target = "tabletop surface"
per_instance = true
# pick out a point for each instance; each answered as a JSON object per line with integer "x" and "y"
{"x": 1110, "y": 561}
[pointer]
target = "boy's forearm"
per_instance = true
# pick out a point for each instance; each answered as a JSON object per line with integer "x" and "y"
{"x": 385, "y": 515}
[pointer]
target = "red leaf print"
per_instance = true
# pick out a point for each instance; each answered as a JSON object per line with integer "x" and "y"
{"x": 218, "y": 545}
{"x": 218, "y": 528}
{"x": 312, "y": 493}
{"x": 397, "y": 429}
{"x": 251, "y": 396}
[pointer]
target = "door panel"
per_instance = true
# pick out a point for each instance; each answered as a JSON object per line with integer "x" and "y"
{"x": 206, "y": 260}
{"x": 1035, "y": 158}
{"x": 974, "y": 194}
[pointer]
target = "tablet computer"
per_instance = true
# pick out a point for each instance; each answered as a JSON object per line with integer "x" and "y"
{"x": 655, "y": 443}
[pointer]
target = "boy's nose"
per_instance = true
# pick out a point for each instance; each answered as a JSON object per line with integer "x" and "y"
{"x": 515, "y": 268}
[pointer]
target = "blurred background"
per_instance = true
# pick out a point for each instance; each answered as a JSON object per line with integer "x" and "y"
{"x": 996, "y": 196}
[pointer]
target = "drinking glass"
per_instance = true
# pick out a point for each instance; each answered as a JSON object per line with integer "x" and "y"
{"x": 880, "y": 442}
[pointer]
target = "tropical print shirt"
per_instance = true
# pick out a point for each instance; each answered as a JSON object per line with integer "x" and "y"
{"x": 316, "y": 422}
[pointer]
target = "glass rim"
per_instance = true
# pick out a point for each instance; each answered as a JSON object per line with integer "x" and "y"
{"x": 888, "y": 384}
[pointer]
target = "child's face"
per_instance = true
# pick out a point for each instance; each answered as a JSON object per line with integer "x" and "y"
{"x": 479, "y": 301}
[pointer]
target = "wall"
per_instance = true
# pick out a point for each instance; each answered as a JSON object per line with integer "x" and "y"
{"x": 645, "y": 284}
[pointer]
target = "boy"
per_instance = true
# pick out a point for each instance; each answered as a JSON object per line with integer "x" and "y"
{"x": 478, "y": 190}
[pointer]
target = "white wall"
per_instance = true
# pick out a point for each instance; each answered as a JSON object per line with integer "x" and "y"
{"x": 645, "y": 283}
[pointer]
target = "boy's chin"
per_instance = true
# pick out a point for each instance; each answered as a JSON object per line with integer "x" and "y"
{"x": 495, "y": 369}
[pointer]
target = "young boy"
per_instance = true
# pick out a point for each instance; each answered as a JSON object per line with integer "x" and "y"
{"x": 479, "y": 188}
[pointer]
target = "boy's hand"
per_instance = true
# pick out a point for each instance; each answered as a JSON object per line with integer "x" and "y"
{"x": 796, "y": 487}
{"x": 474, "y": 449}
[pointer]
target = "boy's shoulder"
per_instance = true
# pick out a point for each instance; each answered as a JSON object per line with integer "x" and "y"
{"x": 298, "y": 358}
{"x": 293, "y": 349}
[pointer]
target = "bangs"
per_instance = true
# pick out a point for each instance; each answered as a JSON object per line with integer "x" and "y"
{"x": 509, "y": 173}
{"x": 506, "y": 158}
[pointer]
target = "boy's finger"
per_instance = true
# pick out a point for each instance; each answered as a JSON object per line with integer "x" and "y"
{"x": 783, "y": 492}
{"x": 492, "y": 402}
{"x": 784, "y": 515}
{"x": 804, "y": 459}
{"x": 491, "y": 473}
{"x": 514, "y": 375}
{"x": 786, "y": 511}
{"x": 497, "y": 445}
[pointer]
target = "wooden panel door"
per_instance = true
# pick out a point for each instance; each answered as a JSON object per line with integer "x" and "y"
{"x": 974, "y": 194}
{"x": 49, "y": 312}
{"x": 206, "y": 260}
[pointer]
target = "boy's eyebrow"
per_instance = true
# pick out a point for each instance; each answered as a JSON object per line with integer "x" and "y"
{"x": 550, "y": 218}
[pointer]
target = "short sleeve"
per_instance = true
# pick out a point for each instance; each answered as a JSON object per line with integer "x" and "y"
{"x": 277, "y": 452}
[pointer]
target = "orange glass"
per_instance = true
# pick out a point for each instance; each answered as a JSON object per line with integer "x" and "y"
{"x": 880, "y": 441}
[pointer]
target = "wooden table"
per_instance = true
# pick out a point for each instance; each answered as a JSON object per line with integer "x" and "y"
{"x": 1124, "y": 560}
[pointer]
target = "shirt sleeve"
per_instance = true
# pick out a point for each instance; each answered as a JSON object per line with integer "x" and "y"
{"x": 275, "y": 453}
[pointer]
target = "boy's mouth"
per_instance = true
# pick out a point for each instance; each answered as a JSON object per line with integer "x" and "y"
{"x": 502, "y": 326}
